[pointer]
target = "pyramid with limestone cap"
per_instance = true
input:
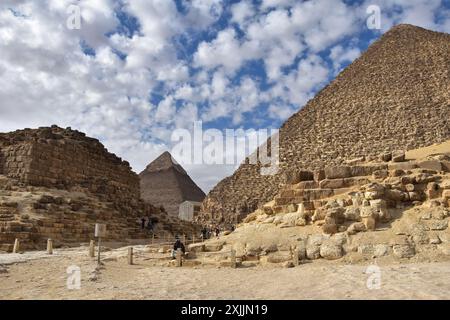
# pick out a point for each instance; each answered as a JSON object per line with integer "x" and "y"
{"x": 165, "y": 183}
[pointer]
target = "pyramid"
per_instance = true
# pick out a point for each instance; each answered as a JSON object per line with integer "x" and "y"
{"x": 395, "y": 96}
{"x": 165, "y": 183}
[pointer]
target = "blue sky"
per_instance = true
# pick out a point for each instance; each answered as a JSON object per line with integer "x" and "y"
{"x": 137, "y": 70}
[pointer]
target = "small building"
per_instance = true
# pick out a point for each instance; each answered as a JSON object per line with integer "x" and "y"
{"x": 188, "y": 210}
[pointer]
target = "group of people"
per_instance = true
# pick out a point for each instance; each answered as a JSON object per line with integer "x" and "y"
{"x": 208, "y": 231}
{"x": 146, "y": 223}
{"x": 213, "y": 230}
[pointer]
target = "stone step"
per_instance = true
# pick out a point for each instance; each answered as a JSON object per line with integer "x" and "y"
{"x": 343, "y": 182}
{"x": 298, "y": 196}
{"x": 340, "y": 172}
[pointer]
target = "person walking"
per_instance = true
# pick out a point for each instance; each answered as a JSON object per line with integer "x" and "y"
{"x": 178, "y": 245}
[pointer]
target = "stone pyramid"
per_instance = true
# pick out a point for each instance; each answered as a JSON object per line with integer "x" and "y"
{"x": 395, "y": 96}
{"x": 165, "y": 183}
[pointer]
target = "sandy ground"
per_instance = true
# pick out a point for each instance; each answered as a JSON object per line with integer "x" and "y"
{"x": 39, "y": 276}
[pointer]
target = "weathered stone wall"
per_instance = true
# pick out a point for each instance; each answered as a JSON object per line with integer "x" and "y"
{"x": 58, "y": 158}
{"x": 395, "y": 96}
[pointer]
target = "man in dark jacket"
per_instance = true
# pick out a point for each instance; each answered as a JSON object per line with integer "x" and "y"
{"x": 178, "y": 245}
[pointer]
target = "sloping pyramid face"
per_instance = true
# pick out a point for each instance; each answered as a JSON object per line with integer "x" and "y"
{"x": 395, "y": 96}
{"x": 164, "y": 182}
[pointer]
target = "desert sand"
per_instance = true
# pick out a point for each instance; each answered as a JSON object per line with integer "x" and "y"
{"x": 37, "y": 275}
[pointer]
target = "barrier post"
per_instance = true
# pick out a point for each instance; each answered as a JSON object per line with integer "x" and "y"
{"x": 130, "y": 255}
{"x": 50, "y": 246}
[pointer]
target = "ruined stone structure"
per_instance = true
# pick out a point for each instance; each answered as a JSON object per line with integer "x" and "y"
{"x": 395, "y": 96}
{"x": 57, "y": 183}
{"x": 331, "y": 214}
{"x": 165, "y": 183}
{"x": 57, "y": 158}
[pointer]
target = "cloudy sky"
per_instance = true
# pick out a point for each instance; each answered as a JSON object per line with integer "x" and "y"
{"x": 138, "y": 69}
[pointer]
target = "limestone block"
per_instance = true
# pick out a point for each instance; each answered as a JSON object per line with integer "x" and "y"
{"x": 331, "y": 183}
{"x": 405, "y": 166}
{"x": 387, "y": 156}
{"x": 313, "y": 252}
{"x": 213, "y": 246}
{"x": 374, "y": 250}
{"x": 396, "y": 195}
{"x": 434, "y": 165}
{"x": 330, "y": 250}
{"x": 380, "y": 174}
{"x": 446, "y": 194}
{"x": 356, "y": 227}
{"x": 369, "y": 222}
{"x": 337, "y": 172}
{"x": 355, "y": 181}
{"x": 307, "y": 185}
{"x": 445, "y": 165}
{"x": 319, "y": 175}
{"x": 279, "y": 257}
{"x": 445, "y": 184}
{"x": 398, "y": 156}
{"x": 404, "y": 251}
{"x": 329, "y": 228}
{"x": 352, "y": 214}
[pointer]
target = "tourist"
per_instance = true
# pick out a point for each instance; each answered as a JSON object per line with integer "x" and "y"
{"x": 204, "y": 233}
{"x": 143, "y": 222}
{"x": 217, "y": 231}
{"x": 177, "y": 245}
{"x": 150, "y": 225}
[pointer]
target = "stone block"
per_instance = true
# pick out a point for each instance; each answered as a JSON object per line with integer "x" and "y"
{"x": 405, "y": 166}
{"x": 369, "y": 223}
{"x": 319, "y": 175}
{"x": 330, "y": 250}
{"x": 434, "y": 165}
{"x": 337, "y": 172}
{"x": 398, "y": 156}
{"x": 279, "y": 257}
{"x": 332, "y": 183}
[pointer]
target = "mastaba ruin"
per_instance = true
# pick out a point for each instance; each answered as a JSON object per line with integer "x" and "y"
{"x": 57, "y": 183}
{"x": 165, "y": 183}
{"x": 395, "y": 96}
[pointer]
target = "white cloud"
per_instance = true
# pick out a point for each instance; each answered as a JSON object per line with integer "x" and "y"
{"x": 280, "y": 112}
{"x": 223, "y": 51}
{"x": 166, "y": 110}
{"x": 242, "y": 11}
{"x": 340, "y": 55}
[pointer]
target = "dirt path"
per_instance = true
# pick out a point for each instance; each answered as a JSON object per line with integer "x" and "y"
{"x": 46, "y": 278}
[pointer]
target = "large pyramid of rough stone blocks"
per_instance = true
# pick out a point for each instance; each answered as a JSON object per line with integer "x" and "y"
{"x": 165, "y": 183}
{"x": 395, "y": 96}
